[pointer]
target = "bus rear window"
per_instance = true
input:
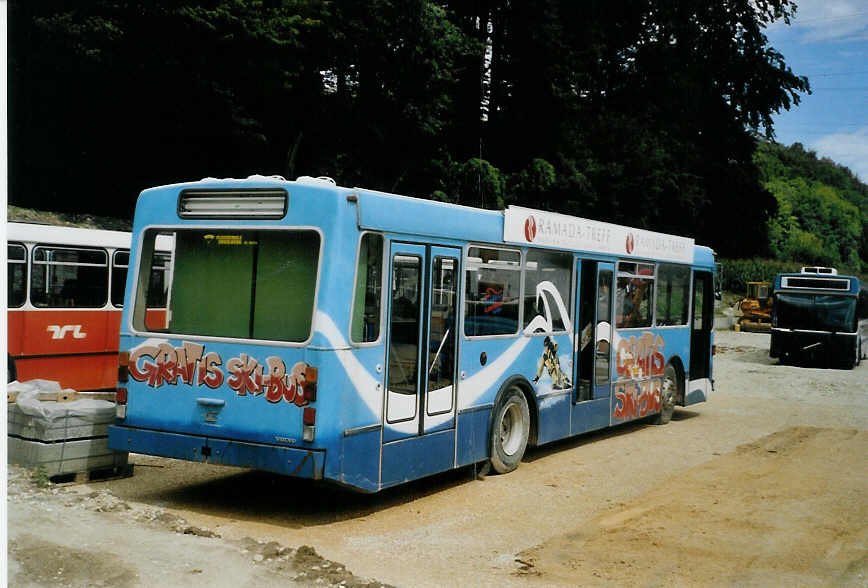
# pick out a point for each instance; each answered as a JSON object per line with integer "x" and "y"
{"x": 230, "y": 283}
{"x": 816, "y": 312}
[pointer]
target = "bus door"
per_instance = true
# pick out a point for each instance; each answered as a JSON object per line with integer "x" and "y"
{"x": 603, "y": 347}
{"x": 593, "y": 332}
{"x": 421, "y": 360}
{"x": 702, "y": 323}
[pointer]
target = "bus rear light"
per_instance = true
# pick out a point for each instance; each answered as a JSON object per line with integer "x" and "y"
{"x": 123, "y": 367}
{"x": 308, "y": 418}
{"x": 310, "y": 377}
{"x": 121, "y": 403}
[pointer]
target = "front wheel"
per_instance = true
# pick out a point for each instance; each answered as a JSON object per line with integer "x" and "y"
{"x": 509, "y": 431}
{"x": 668, "y": 395}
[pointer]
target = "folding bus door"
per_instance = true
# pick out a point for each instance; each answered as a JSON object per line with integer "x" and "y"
{"x": 702, "y": 324}
{"x": 603, "y": 347}
{"x": 593, "y": 346}
{"x": 419, "y": 423}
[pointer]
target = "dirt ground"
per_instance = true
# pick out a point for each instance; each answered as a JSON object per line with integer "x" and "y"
{"x": 765, "y": 484}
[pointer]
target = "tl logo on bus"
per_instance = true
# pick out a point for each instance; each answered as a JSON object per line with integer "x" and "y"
{"x": 161, "y": 364}
{"x": 59, "y": 332}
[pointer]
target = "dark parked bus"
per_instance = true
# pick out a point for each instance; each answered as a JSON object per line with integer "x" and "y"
{"x": 819, "y": 316}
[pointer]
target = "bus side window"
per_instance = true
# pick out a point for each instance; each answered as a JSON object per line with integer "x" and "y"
{"x": 69, "y": 278}
{"x": 365, "y": 326}
{"x": 673, "y": 286}
{"x": 544, "y": 269}
{"x": 16, "y": 275}
{"x": 120, "y": 264}
{"x": 634, "y": 294}
{"x": 493, "y": 280}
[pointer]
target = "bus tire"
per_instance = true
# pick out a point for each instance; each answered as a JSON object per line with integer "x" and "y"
{"x": 509, "y": 431}
{"x": 669, "y": 393}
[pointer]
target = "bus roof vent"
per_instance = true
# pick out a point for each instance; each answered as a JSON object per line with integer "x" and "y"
{"x": 812, "y": 269}
{"x": 816, "y": 283}
{"x": 260, "y": 204}
{"x": 317, "y": 180}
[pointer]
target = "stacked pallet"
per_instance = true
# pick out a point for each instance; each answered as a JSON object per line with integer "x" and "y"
{"x": 63, "y": 432}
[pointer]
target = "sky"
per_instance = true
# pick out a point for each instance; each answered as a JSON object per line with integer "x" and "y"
{"x": 827, "y": 41}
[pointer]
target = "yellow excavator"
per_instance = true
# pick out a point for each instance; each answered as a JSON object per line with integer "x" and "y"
{"x": 756, "y": 308}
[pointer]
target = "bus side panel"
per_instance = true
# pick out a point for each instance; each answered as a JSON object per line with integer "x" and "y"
{"x": 591, "y": 415}
{"x": 77, "y": 348}
{"x": 417, "y": 457}
{"x": 15, "y": 332}
{"x": 486, "y": 364}
{"x": 349, "y": 408}
{"x": 359, "y": 461}
{"x": 551, "y": 369}
{"x": 67, "y": 332}
{"x": 554, "y": 417}
{"x": 79, "y": 372}
{"x": 473, "y": 435}
{"x": 640, "y": 358}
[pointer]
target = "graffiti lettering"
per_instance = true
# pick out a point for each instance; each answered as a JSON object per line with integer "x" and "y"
{"x": 161, "y": 364}
{"x": 640, "y": 357}
{"x": 637, "y": 399}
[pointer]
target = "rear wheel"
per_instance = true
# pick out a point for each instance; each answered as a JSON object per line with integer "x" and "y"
{"x": 668, "y": 395}
{"x": 509, "y": 431}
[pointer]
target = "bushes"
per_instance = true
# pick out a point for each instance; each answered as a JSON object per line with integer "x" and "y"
{"x": 736, "y": 273}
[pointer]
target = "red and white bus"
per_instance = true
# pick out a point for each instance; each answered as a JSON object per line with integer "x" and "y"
{"x": 65, "y": 292}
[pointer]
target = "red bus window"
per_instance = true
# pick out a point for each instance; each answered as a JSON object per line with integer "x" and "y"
{"x": 16, "y": 276}
{"x": 120, "y": 264}
{"x": 69, "y": 278}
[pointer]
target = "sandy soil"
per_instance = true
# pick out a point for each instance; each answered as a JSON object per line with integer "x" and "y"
{"x": 766, "y": 484}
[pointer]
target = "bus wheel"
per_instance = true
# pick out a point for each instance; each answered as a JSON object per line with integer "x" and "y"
{"x": 509, "y": 431}
{"x": 668, "y": 395}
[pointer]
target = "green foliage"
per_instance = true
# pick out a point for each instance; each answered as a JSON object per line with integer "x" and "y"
{"x": 473, "y": 183}
{"x": 88, "y": 221}
{"x": 533, "y": 183}
{"x": 822, "y": 215}
{"x": 39, "y": 476}
{"x": 632, "y": 112}
{"x": 736, "y": 273}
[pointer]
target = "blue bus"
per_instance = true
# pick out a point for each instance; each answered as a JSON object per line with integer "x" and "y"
{"x": 819, "y": 316}
{"x": 369, "y": 339}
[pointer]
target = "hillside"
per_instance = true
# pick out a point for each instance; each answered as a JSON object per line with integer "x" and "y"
{"x": 87, "y": 221}
{"x": 822, "y": 215}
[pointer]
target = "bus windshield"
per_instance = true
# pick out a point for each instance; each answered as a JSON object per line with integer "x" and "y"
{"x": 247, "y": 284}
{"x": 818, "y": 312}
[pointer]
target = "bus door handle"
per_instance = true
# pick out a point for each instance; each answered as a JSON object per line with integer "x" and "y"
{"x": 211, "y": 402}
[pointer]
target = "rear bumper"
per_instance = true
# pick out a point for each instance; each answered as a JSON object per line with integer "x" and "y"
{"x": 290, "y": 461}
{"x": 812, "y": 345}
